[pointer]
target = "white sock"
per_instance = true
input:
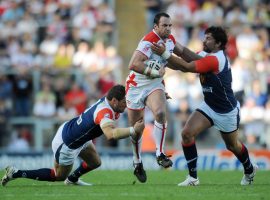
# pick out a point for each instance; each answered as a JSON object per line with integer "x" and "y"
{"x": 159, "y": 135}
{"x": 136, "y": 148}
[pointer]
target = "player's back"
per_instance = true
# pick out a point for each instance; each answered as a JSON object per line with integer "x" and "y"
{"x": 83, "y": 128}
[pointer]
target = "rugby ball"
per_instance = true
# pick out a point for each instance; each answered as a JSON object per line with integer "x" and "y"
{"x": 154, "y": 64}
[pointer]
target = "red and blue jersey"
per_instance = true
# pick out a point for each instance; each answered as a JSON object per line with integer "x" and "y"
{"x": 86, "y": 126}
{"x": 216, "y": 81}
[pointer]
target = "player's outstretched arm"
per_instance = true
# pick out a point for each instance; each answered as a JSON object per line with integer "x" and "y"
{"x": 185, "y": 53}
{"x": 175, "y": 62}
{"x": 112, "y": 132}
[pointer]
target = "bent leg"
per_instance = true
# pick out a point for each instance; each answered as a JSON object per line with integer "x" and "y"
{"x": 239, "y": 150}
{"x": 156, "y": 102}
{"x": 91, "y": 161}
{"x": 133, "y": 117}
{"x": 196, "y": 123}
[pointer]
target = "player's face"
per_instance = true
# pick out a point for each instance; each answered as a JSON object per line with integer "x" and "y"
{"x": 120, "y": 106}
{"x": 164, "y": 27}
{"x": 209, "y": 43}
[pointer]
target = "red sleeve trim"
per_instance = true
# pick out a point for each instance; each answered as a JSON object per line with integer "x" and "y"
{"x": 151, "y": 37}
{"x": 106, "y": 112}
{"x": 172, "y": 38}
{"x": 207, "y": 64}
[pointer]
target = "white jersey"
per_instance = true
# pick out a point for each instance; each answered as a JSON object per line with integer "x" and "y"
{"x": 136, "y": 79}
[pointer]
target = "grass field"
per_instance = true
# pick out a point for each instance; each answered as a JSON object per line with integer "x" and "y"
{"x": 161, "y": 185}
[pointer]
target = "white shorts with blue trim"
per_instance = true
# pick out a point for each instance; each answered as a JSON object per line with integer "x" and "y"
{"x": 62, "y": 153}
{"x": 224, "y": 122}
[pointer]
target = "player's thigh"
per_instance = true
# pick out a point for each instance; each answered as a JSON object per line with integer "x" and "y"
{"x": 134, "y": 116}
{"x": 231, "y": 139}
{"x": 62, "y": 171}
{"x": 196, "y": 123}
{"x": 156, "y": 101}
{"x": 90, "y": 155}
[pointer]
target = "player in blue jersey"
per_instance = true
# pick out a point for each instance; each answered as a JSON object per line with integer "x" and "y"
{"x": 219, "y": 108}
{"x": 74, "y": 139}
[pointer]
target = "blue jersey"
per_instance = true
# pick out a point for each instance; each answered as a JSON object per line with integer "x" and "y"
{"x": 85, "y": 127}
{"x": 217, "y": 86}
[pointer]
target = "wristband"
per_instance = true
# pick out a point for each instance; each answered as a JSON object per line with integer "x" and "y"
{"x": 131, "y": 130}
{"x": 166, "y": 55}
{"x": 147, "y": 71}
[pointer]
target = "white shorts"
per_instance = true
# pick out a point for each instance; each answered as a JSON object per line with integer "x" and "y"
{"x": 62, "y": 154}
{"x": 136, "y": 96}
{"x": 224, "y": 122}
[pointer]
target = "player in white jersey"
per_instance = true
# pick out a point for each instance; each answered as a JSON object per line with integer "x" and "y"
{"x": 145, "y": 87}
{"x": 74, "y": 139}
{"x": 220, "y": 108}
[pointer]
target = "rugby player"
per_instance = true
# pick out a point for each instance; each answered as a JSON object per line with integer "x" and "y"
{"x": 219, "y": 109}
{"x": 145, "y": 87}
{"x": 74, "y": 139}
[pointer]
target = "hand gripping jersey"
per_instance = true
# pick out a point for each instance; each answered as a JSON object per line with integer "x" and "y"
{"x": 217, "y": 85}
{"x": 86, "y": 127}
{"x": 137, "y": 79}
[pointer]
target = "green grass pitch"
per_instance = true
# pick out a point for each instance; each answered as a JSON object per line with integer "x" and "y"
{"x": 161, "y": 185}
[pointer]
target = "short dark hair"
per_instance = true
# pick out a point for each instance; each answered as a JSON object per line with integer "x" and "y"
{"x": 219, "y": 34}
{"x": 117, "y": 91}
{"x": 159, "y": 15}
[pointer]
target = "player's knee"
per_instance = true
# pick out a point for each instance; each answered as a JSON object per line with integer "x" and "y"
{"x": 187, "y": 136}
{"x": 94, "y": 163}
{"x": 97, "y": 163}
{"x": 60, "y": 177}
{"x": 160, "y": 116}
{"x": 231, "y": 147}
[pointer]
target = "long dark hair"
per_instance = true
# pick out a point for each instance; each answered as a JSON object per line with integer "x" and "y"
{"x": 219, "y": 34}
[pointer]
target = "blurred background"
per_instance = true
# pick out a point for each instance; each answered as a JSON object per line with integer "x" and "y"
{"x": 59, "y": 56}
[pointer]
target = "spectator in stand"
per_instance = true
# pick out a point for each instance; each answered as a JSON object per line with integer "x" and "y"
{"x": 44, "y": 105}
{"x": 22, "y": 90}
{"x": 77, "y": 97}
{"x": 6, "y": 91}
{"x": 152, "y": 7}
{"x": 66, "y": 112}
{"x": 4, "y": 117}
{"x": 106, "y": 20}
{"x": 63, "y": 57}
{"x": 84, "y": 23}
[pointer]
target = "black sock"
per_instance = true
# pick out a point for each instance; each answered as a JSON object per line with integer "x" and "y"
{"x": 82, "y": 169}
{"x": 43, "y": 174}
{"x": 190, "y": 152}
{"x": 244, "y": 159}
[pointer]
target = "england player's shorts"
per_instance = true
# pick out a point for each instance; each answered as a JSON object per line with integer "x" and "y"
{"x": 136, "y": 96}
{"x": 224, "y": 122}
{"x": 62, "y": 154}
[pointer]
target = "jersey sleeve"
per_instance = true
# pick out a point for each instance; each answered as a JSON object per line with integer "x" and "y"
{"x": 207, "y": 64}
{"x": 103, "y": 115}
{"x": 145, "y": 48}
{"x": 202, "y": 53}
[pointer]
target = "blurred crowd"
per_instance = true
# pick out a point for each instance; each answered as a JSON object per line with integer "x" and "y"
{"x": 58, "y": 56}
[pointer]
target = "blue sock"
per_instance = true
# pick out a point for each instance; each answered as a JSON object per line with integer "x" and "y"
{"x": 190, "y": 152}
{"x": 245, "y": 160}
{"x": 82, "y": 169}
{"x": 43, "y": 174}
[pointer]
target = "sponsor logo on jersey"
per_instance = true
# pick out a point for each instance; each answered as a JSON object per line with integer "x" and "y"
{"x": 208, "y": 89}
